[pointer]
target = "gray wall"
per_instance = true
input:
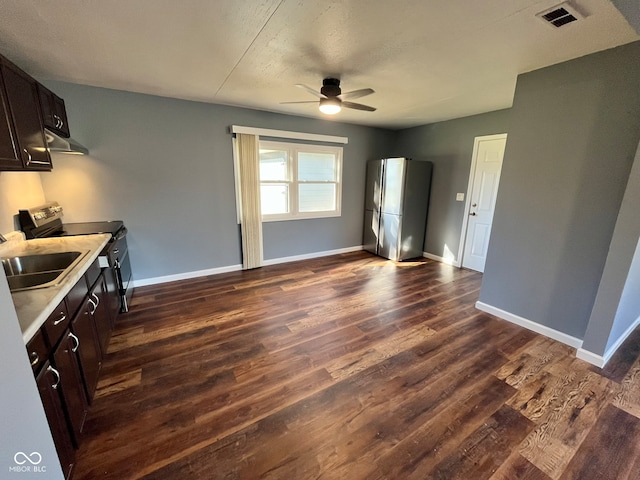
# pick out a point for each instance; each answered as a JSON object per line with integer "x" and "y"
{"x": 617, "y": 304}
{"x": 165, "y": 167}
{"x": 449, "y": 145}
{"x": 18, "y": 190}
{"x": 573, "y": 134}
{"x": 631, "y": 11}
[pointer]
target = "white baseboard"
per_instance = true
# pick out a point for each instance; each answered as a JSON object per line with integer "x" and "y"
{"x": 234, "y": 268}
{"x": 601, "y": 360}
{"x": 530, "y": 325}
{"x": 308, "y": 256}
{"x": 431, "y": 256}
{"x": 185, "y": 276}
{"x": 590, "y": 357}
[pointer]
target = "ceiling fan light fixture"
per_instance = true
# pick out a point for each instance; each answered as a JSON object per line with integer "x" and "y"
{"x": 330, "y": 106}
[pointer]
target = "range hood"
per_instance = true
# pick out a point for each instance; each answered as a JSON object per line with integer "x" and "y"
{"x": 57, "y": 144}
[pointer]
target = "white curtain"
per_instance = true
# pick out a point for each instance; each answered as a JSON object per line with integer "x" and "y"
{"x": 250, "y": 212}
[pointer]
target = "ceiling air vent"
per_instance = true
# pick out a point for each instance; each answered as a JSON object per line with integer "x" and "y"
{"x": 560, "y": 15}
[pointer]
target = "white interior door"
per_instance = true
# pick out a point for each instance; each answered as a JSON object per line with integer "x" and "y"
{"x": 484, "y": 180}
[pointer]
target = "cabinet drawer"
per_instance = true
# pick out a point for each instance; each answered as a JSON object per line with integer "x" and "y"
{"x": 37, "y": 350}
{"x": 92, "y": 274}
{"x": 76, "y": 296}
{"x": 57, "y": 323}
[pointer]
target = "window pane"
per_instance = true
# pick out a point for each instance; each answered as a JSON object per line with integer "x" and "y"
{"x": 316, "y": 167}
{"x": 319, "y": 197}
{"x": 273, "y": 165}
{"x": 274, "y": 199}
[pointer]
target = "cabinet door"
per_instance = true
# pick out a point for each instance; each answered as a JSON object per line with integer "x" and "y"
{"x": 54, "y": 113}
{"x": 89, "y": 350}
{"x": 48, "y": 385}
{"x": 46, "y": 106}
{"x": 71, "y": 384}
{"x": 9, "y": 157}
{"x": 101, "y": 314}
{"x": 24, "y": 105}
{"x": 60, "y": 116}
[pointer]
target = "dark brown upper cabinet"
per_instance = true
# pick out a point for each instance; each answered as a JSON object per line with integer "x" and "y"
{"x": 23, "y": 104}
{"x": 54, "y": 113}
{"x": 9, "y": 157}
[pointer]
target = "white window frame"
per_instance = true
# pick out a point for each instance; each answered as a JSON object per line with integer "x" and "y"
{"x": 292, "y": 167}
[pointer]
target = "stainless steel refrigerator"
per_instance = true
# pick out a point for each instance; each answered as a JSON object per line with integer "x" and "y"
{"x": 396, "y": 203}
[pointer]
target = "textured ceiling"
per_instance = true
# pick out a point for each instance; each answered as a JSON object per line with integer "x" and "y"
{"x": 427, "y": 60}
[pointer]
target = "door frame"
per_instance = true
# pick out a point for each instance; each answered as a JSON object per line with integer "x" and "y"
{"x": 467, "y": 203}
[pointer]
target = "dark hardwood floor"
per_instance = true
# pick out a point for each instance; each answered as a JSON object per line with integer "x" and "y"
{"x": 351, "y": 367}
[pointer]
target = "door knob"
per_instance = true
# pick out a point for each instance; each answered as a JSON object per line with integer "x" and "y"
{"x": 474, "y": 205}
{"x": 473, "y": 214}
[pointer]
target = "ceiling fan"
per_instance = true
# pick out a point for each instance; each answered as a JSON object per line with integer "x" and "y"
{"x": 332, "y": 99}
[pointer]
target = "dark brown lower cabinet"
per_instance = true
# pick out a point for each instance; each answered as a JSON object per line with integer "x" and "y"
{"x": 84, "y": 328}
{"x": 65, "y": 361}
{"x": 49, "y": 387}
{"x": 66, "y": 357}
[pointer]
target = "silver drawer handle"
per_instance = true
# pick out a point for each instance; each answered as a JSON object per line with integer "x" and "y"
{"x": 57, "y": 374}
{"x": 94, "y": 307}
{"x": 116, "y": 251}
{"x": 60, "y": 320}
{"x": 75, "y": 339}
{"x": 97, "y": 299}
{"x": 28, "y": 154}
{"x": 35, "y": 357}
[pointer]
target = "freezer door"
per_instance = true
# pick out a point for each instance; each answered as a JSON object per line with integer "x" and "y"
{"x": 389, "y": 241}
{"x": 393, "y": 185}
{"x": 415, "y": 205}
{"x": 373, "y": 186}
{"x": 371, "y": 229}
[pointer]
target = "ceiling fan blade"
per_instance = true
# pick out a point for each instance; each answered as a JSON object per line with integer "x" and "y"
{"x": 288, "y": 103}
{"x": 357, "y": 93}
{"x": 358, "y": 106}
{"x": 310, "y": 90}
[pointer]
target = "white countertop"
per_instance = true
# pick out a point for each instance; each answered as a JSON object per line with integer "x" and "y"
{"x": 33, "y": 307}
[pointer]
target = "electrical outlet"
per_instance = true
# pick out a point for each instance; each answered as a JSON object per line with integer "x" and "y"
{"x": 459, "y": 197}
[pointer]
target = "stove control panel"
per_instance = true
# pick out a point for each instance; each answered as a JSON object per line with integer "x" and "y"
{"x": 38, "y": 216}
{"x": 47, "y": 213}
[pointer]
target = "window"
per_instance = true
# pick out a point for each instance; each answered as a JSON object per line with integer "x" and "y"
{"x": 299, "y": 181}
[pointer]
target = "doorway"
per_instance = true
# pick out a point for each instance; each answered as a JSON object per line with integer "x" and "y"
{"x": 484, "y": 180}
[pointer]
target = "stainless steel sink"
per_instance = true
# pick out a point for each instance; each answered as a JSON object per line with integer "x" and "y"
{"x": 28, "y": 272}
